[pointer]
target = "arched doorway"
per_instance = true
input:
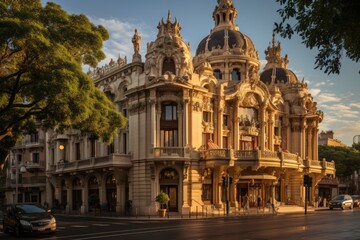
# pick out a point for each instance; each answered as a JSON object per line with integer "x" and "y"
{"x": 93, "y": 193}
{"x": 111, "y": 192}
{"x": 169, "y": 183}
{"x": 76, "y": 194}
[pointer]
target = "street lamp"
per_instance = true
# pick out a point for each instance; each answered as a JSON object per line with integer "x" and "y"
{"x": 62, "y": 152}
{"x": 22, "y": 169}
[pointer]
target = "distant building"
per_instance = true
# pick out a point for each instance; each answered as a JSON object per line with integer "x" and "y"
{"x": 327, "y": 139}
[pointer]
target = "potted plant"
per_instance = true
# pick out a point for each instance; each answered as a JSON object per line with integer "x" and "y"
{"x": 162, "y": 199}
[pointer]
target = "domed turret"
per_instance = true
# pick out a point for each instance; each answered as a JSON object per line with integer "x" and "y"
{"x": 276, "y": 69}
{"x": 230, "y": 52}
{"x": 168, "y": 55}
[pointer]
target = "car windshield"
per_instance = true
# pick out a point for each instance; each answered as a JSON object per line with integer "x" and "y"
{"x": 28, "y": 208}
{"x": 339, "y": 197}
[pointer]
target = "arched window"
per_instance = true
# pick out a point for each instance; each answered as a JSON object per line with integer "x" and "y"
{"x": 76, "y": 183}
{"x": 168, "y": 66}
{"x": 217, "y": 74}
{"x": 235, "y": 74}
{"x": 110, "y": 180}
{"x": 93, "y": 182}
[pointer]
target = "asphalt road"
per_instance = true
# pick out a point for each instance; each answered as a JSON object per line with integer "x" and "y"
{"x": 336, "y": 224}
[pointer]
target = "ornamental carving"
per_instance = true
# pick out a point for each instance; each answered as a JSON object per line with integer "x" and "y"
{"x": 250, "y": 100}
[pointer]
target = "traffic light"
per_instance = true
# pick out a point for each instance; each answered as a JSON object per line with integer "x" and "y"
{"x": 307, "y": 181}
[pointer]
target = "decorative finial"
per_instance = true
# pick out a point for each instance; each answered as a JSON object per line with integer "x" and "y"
{"x": 169, "y": 16}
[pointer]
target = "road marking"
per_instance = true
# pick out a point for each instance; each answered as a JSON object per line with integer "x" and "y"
{"x": 79, "y": 226}
{"x": 101, "y": 224}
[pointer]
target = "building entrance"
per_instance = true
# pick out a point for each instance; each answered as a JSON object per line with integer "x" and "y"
{"x": 169, "y": 183}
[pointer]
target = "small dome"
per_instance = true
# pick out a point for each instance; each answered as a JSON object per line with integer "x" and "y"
{"x": 216, "y": 40}
{"x": 282, "y": 75}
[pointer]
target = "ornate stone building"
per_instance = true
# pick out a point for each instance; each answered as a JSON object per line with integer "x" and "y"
{"x": 208, "y": 129}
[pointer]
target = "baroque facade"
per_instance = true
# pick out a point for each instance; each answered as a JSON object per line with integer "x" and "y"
{"x": 207, "y": 129}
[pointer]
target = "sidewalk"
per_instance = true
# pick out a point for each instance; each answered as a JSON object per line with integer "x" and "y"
{"x": 287, "y": 209}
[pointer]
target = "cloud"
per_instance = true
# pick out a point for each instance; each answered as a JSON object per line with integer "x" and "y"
{"x": 324, "y": 83}
{"x": 328, "y": 97}
{"x": 314, "y": 91}
{"x": 355, "y": 105}
{"x": 121, "y": 33}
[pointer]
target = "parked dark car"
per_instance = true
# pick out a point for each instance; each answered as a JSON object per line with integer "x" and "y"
{"x": 356, "y": 199}
{"x": 341, "y": 201}
{"x": 28, "y": 218}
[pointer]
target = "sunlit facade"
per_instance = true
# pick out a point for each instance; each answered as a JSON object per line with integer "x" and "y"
{"x": 207, "y": 129}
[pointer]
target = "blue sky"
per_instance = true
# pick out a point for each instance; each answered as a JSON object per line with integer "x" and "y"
{"x": 337, "y": 95}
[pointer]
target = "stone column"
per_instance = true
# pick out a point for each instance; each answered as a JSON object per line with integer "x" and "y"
{"x": 263, "y": 128}
{"x": 236, "y": 125}
{"x": 271, "y": 131}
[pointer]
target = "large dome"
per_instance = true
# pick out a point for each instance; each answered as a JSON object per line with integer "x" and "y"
{"x": 217, "y": 39}
{"x": 280, "y": 75}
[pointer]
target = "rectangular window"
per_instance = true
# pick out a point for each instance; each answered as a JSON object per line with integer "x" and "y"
{"x": 225, "y": 120}
{"x": 34, "y": 137}
{"x": 19, "y": 158}
{"x": 207, "y": 117}
{"x": 35, "y": 158}
{"x": 92, "y": 147}
{"x": 169, "y": 112}
{"x": 125, "y": 143}
{"x": 110, "y": 148}
{"x": 77, "y": 151}
{"x": 125, "y": 112}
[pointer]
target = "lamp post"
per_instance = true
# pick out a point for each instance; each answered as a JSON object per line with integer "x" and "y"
{"x": 22, "y": 169}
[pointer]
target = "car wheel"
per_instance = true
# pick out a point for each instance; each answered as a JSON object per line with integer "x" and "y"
{"x": 342, "y": 207}
{"x": 351, "y": 206}
{"x": 331, "y": 208}
{"x": 17, "y": 231}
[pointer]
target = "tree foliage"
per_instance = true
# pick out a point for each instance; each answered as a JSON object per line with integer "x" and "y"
{"x": 42, "y": 51}
{"x": 347, "y": 160}
{"x": 333, "y": 27}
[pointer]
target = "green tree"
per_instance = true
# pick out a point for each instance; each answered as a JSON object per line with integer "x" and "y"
{"x": 333, "y": 27}
{"x": 347, "y": 160}
{"x": 42, "y": 51}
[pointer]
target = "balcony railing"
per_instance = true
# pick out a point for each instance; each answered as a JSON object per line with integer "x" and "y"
{"x": 170, "y": 151}
{"x": 268, "y": 158}
{"x": 217, "y": 154}
{"x": 28, "y": 143}
{"x": 113, "y": 160}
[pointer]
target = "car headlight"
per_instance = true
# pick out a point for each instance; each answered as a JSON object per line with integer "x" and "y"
{"x": 53, "y": 220}
{"x": 25, "y": 223}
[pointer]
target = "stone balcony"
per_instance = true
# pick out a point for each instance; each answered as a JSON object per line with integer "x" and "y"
{"x": 258, "y": 158}
{"x": 323, "y": 166}
{"x": 170, "y": 152}
{"x": 113, "y": 160}
{"x": 29, "y": 144}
